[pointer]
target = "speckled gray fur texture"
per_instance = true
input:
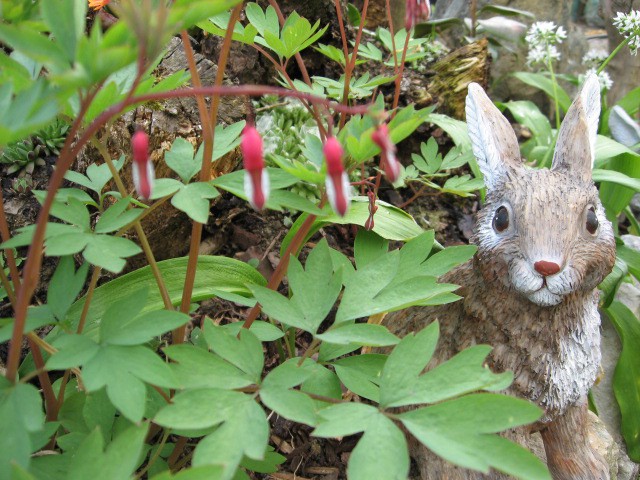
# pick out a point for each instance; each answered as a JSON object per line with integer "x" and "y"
{"x": 544, "y": 328}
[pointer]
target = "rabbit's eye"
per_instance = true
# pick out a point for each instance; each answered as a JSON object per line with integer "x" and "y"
{"x": 592, "y": 221}
{"x": 501, "y": 219}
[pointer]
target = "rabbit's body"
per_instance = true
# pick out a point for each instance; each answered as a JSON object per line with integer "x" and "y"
{"x": 544, "y": 244}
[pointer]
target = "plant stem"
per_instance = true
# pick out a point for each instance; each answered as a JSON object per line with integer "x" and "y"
{"x": 144, "y": 242}
{"x": 620, "y": 46}
{"x": 281, "y": 269}
{"x": 554, "y": 83}
{"x": 209, "y": 120}
{"x": 7, "y": 287}
{"x": 68, "y": 153}
{"x": 399, "y": 74}
{"x": 33, "y": 263}
{"x": 303, "y": 71}
{"x": 348, "y": 72}
{"x": 50, "y": 400}
{"x": 11, "y": 260}
{"x": 156, "y": 454}
{"x": 313, "y": 348}
{"x": 343, "y": 34}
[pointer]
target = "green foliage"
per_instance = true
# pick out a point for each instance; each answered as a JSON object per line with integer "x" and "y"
{"x": 134, "y": 387}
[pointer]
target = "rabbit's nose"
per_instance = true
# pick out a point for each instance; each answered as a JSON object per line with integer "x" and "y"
{"x": 545, "y": 268}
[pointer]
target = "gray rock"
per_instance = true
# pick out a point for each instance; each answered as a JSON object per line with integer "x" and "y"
{"x": 608, "y": 410}
{"x": 631, "y": 241}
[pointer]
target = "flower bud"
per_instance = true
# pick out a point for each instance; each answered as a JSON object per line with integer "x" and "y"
{"x": 337, "y": 181}
{"x": 390, "y": 163}
{"x": 416, "y": 10}
{"x": 142, "y": 168}
{"x": 256, "y": 179}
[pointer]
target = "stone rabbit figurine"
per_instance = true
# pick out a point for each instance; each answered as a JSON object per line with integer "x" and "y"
{"x": 544, "y": 244}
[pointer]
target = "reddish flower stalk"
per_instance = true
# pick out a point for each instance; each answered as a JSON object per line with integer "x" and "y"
{"x": 256, "y": 179}
{"x": 142, "y": 168}
{"x": 390, "y": 163}
{"x": 337, "y": 181}
{"x": 373, "y": 208}
{"x": 416, "y": 10}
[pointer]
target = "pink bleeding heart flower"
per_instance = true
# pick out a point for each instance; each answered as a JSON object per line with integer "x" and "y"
{"x": 416, "y": 10}
{"x": 256, "y": 179}
{"x": 390, "y": 162}
{"x": 142, "y": 168}
{"x": 337, "y": 181}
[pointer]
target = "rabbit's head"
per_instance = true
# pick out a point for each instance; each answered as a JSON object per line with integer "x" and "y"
{"x": 541, "y": 232}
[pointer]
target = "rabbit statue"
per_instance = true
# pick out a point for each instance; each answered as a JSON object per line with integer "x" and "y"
{"x": 544, "y": 244}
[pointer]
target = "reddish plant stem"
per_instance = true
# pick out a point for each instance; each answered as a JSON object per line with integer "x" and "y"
{"x": 393, "y": 36}
{"x": 396, "y": 96}
{"x": 281, "y": 269}
{"x": 352, "y": 62}
{"x": 34, "y": 255}
{"x": 8, "y": 253}
{"x": 343, "y": 33}
{"x": 68, "y": 154}
{"x": 209, "y": 120}
{"x": 303, "y": 71}
{"x": 50, "y": 400}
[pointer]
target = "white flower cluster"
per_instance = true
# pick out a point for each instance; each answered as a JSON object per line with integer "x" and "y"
{"x": 593, "y": 58}
{"x": 542, "y": 38}
{"x": 603, "y": 77}
{"x": 628, "y": 24}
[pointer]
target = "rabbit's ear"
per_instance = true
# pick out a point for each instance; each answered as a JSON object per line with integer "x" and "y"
{"x": 576, "y": 147}
{"x": 494, "y": 142}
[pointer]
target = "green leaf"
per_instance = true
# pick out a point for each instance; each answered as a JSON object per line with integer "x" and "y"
{"x": 463, "y": 373}
{"x": 360, "y": 334}
{"x": 181, "y": 160}
{"x": 73, "y": 351}
{"x": 120, "y": 460}
{"x": 180, "y": 413}
{"x": 227, "y": 139}
{"x": 391, "y": 222}
{"x": 163, "y": 187}
{"x": 381, "y": 287}
{"x": 213, "y": 274}
{"x": 244, "y": 352}
{"x": 544, "y": 83}
{"x": 344, "y": 419}
{"x": 404, "y": 365}
{"x": 141, "y": 329}
{"x": 194, "y": 200}
{"x": 265, "y": 331}
{"x": 66, "y": 244}
{"x": 198, "y": 368}
{"x": 20, "y": 414}
{"x": 460, "y": 432}
{"x": 204, "y": 472}
{"x": 113, "y": 361}
{"x": 368, "y": 247}
{"x": 441, "y": 262}
{"x": 245, "y": 432}
{"x": 128, "y": 306}
{"x": 381, "y": 453}
{"x": 291, "y": 404}
{"x": 527, "y": 113}
{"x": 625, "y": 378}
{"x": 68, "y": 27}
{"x": 72, "y": 211}
{"x": 129, "y": 395}
{"x": 361, "y": 374}
{"x": 268, "y": 465}
{"x": 65, "y": 285}
{"x": 117, "y": 216}
{"x": 110, "y": 252}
